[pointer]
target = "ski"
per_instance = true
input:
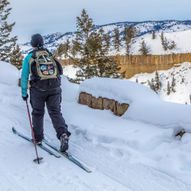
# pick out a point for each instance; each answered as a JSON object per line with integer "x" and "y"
{"x": 30, "y": 140}
{"x": 68, "y": 156}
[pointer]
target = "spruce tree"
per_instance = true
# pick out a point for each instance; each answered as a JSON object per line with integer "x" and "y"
{"x": 153, "y": 35}
{"x": 129, "y": 34}
{"x": 106, "y": 41}
{"x": 7, "y": 43}
{"x": 144, "y": 49}
{"x": 173, "y": 84}
{"x": 16, "y": 57}
{"x": 91, "y": 50}
{"x": 116, "y": 39}
{"x": 168, "y": 88}
{"x": 155, "y": 83}
{"x": 63, "y": 49}
{"x": 158, "y": 83}
{"x": 152, "y": 84}
{"x": 167, "y": 44}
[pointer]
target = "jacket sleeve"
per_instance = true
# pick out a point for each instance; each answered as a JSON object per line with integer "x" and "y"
{"x": 25, "y": 74}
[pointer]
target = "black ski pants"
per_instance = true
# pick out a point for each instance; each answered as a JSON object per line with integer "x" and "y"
{"x": 52, "y": 99}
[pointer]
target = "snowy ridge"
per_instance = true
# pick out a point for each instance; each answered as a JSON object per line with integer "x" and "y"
{"x": 144, "y": 30}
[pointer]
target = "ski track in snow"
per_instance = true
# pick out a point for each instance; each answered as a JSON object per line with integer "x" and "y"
{"x": 18, "y": 172}
{"x": 133, "y": 176}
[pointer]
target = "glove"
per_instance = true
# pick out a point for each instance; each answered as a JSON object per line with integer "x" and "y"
{"x": 25, "y": 97}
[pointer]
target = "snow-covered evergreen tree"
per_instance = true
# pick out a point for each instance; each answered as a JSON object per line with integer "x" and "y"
{"x": 167, "y": 44}
{"x": 144, "y": 49}
{"x": 107, "y": 41}
{"x": 155, "y": 83}
{"x": 116, "y": 39}
{"x": 173, "y": 84}
{"x": 129, "y": 34}
{"x": 158, "y": 83}
{"x": 153, "y": 35}
{"x": 168, "y": 88}
{"x": 7, "y": 43}
{"x": 91, "y": 49}
{"x": 16, "y": 57}
{"x": 63, "y": 49}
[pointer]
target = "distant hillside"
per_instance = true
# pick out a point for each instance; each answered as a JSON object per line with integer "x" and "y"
{"x": 181, "y": 73}
{"x": 182, "y": 89}
{"x": 179, "y": 31}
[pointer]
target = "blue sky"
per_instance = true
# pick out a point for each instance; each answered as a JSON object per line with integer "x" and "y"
{"x": 47, "y": 16}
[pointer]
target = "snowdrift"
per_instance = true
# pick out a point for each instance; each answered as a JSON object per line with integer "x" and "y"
{"x": 145, "y": 104}
{"x": 9, "y": 74}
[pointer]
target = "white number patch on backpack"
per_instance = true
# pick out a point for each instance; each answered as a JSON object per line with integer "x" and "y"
{"x": 45, "y": 65}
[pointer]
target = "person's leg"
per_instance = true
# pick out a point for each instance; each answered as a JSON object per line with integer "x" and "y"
{"x": 37, "y": 100}
{"x": 53, "y": 102}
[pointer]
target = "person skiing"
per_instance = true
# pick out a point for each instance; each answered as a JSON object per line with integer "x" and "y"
{"x": 45, "y": 81}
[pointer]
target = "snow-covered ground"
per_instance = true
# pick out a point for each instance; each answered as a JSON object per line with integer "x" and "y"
{"x": 181, "y": 73}
{"x": 124, "y": 154}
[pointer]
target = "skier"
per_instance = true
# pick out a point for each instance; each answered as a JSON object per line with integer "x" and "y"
{"x": 45, "y": 81}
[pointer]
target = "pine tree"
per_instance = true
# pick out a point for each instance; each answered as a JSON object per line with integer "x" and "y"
{"x": 168, "y": 88}
{"x": 155, "y": 83}
{"x": 144, "y": 49}
{"x": 63, "y": 49}
{"x": 91, "y": 50}
{"x": 75, "y": 47}
{"x": 129, "y": 34}
{"x": 116, "y": 39}
{"x": 16, "y": 57}
{"x": 171, "y": 45}
{"x": 151, "y": 84}
{"x": 106, "y": 41}
{"x": 7, "y": 43}
{"x": 158, "y": 83}
{"x": 173, "y": 84}
{"x": 153, "y": 35}
{"x": 167, "y": 44}
{"x": 164, "y": 42}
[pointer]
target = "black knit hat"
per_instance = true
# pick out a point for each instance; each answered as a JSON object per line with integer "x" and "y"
{"x": 37, "y": 41}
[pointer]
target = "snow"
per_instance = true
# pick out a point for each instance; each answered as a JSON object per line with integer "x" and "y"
{"x": 181, "y": 38}
{"x": 120, "y": 90}
{"x": 8, "y": 74}
{"x": 145, "y": 104}
{"x": 70, "y": 71}
{"x": 124, "y": 154}
{"x": 182, "y": 75}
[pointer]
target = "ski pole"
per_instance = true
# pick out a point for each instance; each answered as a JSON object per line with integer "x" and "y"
{"x": 38, "y": 159}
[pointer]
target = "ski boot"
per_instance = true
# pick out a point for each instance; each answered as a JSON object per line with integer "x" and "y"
{"x": 64, "y": 142}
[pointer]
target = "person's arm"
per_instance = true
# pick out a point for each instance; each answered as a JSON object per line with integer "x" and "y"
{"x": 60, "y": 69}
{"x": 25, "y": 75}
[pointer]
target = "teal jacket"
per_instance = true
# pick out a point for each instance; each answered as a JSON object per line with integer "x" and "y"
{"x": 25, "y": 74}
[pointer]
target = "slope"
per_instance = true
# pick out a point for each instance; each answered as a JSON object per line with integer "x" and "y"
{"x": 125, "y": 155}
